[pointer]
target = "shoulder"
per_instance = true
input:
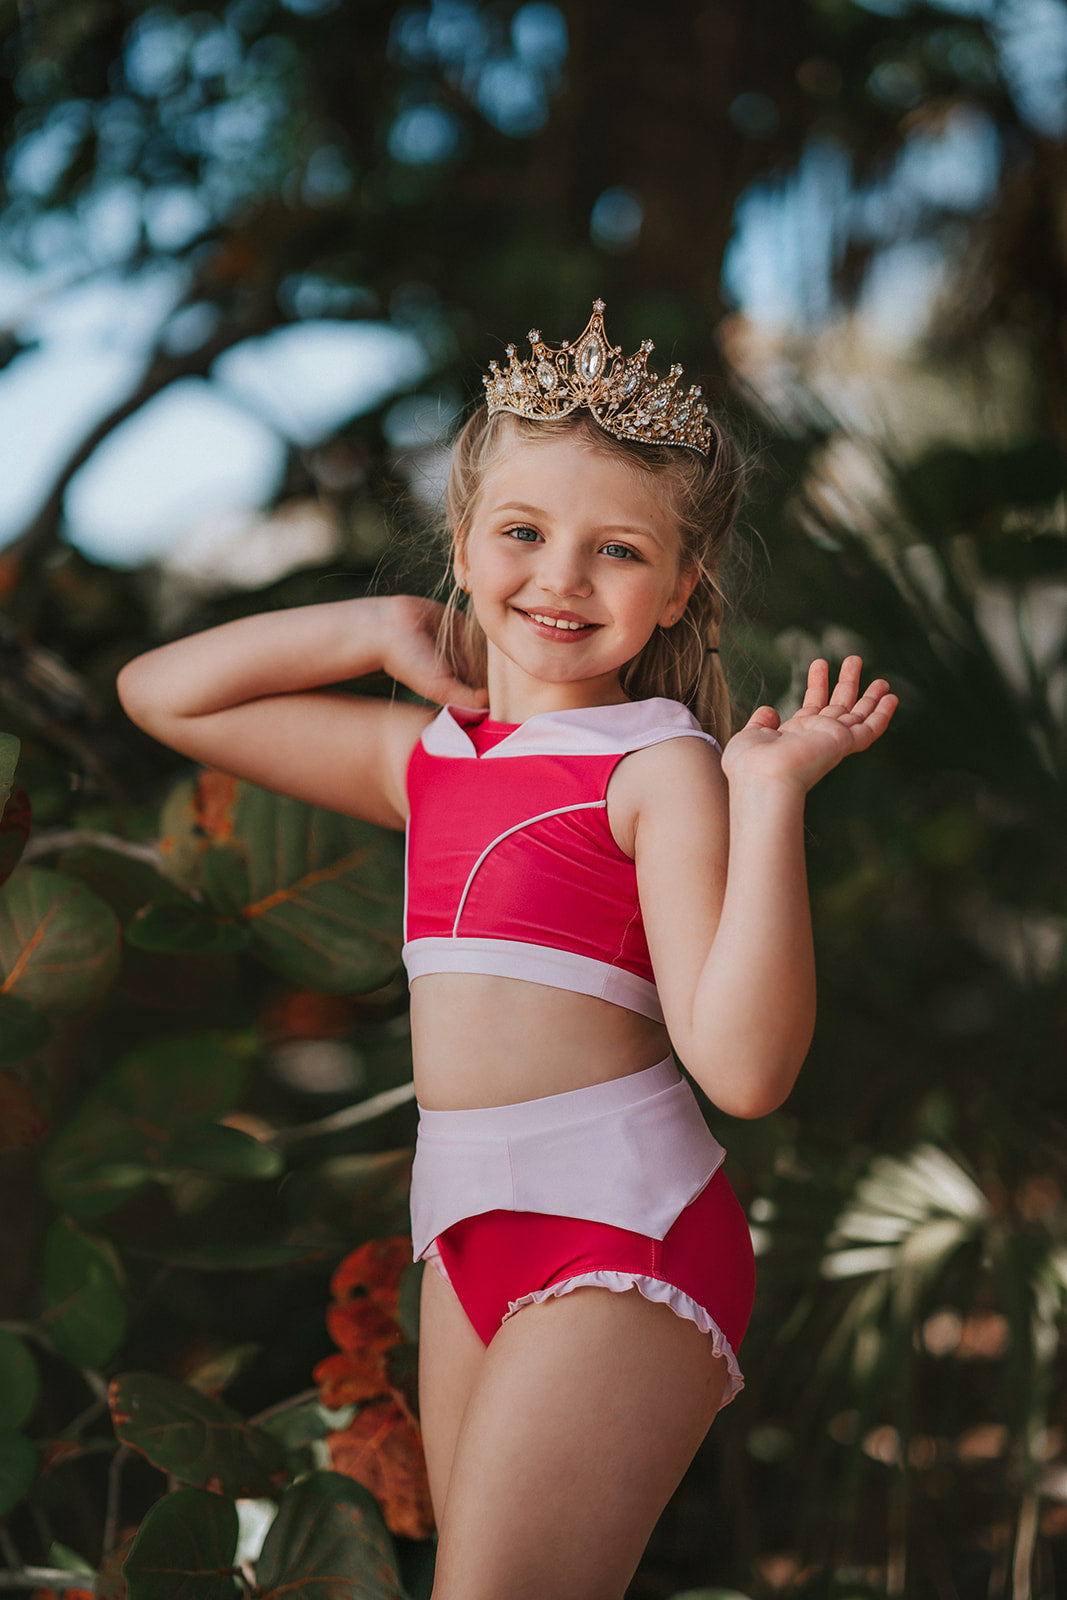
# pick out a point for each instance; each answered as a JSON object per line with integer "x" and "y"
{"x": 674, "y": 784}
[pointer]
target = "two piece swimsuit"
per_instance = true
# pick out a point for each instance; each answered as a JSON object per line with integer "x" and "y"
{"x": 512, "y": 870}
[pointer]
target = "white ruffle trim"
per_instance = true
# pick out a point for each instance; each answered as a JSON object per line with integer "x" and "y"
{"x": 652, "y": 1289}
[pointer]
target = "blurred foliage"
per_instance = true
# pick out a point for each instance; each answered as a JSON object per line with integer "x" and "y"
{"x": 204, "y": 1058}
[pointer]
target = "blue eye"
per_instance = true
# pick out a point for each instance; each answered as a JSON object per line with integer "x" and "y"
{"x": 524, "y": 534}
{"x": 616, "y": 550}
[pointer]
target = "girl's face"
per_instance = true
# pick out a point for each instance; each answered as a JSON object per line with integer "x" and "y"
{"x": 571, "y": 562}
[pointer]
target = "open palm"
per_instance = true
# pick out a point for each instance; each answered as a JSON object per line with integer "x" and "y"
{"x": 828, "y": 727}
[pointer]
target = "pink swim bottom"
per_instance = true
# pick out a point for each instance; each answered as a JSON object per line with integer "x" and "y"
{"x": 703, "y": 1268}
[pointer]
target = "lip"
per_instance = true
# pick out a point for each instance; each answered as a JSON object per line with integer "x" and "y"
{"x": 545, "y": 631}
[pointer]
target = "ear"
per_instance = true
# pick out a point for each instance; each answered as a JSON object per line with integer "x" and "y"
{"x": 688, "y": 578}
{"x": 459, "y": 558}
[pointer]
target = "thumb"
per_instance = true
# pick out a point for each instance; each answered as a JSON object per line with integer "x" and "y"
{"x": 764, "y": 717}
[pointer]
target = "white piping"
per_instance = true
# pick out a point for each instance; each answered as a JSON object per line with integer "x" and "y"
{"x": 584, "y": 805}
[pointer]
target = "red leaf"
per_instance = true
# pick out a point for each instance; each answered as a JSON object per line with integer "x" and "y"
{"x": 382, "y": 1450}
{"x": 377, "y": 1267}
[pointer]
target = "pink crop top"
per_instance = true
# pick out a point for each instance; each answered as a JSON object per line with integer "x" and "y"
{"x": 512, "y": 868}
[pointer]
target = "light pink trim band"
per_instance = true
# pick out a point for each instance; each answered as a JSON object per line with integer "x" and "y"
{"x": 535, "y": 963}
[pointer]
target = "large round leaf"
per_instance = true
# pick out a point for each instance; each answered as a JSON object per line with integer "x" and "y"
{"x": 195, "y": 1438}
{"x": 18, "y": 1381}
{"x": 320, "y": 893}
{"x": 226, "y": 1152}
{"x": 179, "y": 927}
{"x": 22, "y": 1029}
{"x": 86, "y": 1313}
{"x": 122, "y": 1134}
{"x": 184, "y": 1549}
{"x": 328, "y": 1539}
{"x": 59, "y": 943}
{"x": 18, "y": 1468}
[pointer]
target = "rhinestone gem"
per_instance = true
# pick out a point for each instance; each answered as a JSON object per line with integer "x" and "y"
{"x": 500, "y": 387}
{"x": 518, "y": 382}
{"x": 629, "y": 383}
{"x": 590, "y": 361}
{"x": 546, "y": 376}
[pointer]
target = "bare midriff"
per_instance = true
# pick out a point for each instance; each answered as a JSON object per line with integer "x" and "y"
{"x": 488, "y": 1041}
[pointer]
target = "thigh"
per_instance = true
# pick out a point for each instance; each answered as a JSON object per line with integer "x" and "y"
{"x": 585, "y": 1414}
{"x": 450, "y": 1357}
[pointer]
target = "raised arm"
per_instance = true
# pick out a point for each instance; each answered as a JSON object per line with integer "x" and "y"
{"x": 724, "y": 889}
{"x": 245, "y": 697}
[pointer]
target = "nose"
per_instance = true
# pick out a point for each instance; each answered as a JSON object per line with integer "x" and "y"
{"x": 563, "y": 570}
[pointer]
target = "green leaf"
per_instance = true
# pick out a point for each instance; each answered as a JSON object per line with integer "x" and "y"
{"x": 16, "y": 824}
{"x": 86, "y": 1313}
{"x": 186, "y": 927}
{"x": 226, "y": 1151}
{"x": 59, "y": 942}
{"x": 122, "y": 1134}
{"x": 22, "y": 1029}
{"x": 68, "y": 1560}
{"x": 320, "y": 893}
{"x": 328, "y": 1539}
{"x": 18, "y": 1381}
{"x": 249, "y": 1257}
{"x": 197, "y": 1439}
{"x": 9, "y": 754}
{"x": 18, "y": 1468}
{"x": 184, "y": 1549}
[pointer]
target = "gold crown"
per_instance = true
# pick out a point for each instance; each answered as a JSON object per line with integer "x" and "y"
{"x": 624, "y": 397}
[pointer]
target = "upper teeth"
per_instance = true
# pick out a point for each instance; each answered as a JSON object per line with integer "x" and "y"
{"x": 556, "y": 622}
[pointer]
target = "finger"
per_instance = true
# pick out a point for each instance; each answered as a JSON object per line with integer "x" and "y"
{"x": 818, "y": 686}
{"x": 764, "y": 717}
{"x": 848, "y": 682}
{"x": 872, "y": 727}
{"x": 871, "y": 697}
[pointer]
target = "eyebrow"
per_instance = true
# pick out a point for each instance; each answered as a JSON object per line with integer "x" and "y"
{"x": 611, "y": 527}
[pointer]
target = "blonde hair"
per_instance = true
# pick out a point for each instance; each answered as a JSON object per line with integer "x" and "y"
{"x": 702, "y": 496}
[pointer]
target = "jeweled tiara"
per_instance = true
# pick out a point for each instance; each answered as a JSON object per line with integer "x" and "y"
{"x": 624, "y": 397}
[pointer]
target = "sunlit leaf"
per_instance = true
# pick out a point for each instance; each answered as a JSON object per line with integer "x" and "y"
{"x": 195, "y": 1438}
{"x": 86, "y": 1312}
{"x": 320, "y": 893}
{"x": 184, "y": 1549}
{"x": 59, "y": 943}
{"x": 328, "y": 1539}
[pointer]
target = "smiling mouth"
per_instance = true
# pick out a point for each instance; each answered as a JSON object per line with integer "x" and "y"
{"x": 561, "y": 624}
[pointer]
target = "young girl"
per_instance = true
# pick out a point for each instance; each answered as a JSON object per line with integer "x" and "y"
{"x": 590, "y": 882}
